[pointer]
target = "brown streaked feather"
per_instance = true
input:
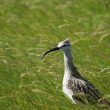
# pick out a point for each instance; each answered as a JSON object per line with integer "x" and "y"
{"x": 103, "y": 103}
{"x": 80, "y": 98}
{"x": 81, "y": 86}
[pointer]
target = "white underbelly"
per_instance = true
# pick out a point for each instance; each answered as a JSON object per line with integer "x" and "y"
{"x": 68, "y": 92}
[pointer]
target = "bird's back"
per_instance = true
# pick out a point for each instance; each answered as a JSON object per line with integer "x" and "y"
{"x": 83, "y": 91}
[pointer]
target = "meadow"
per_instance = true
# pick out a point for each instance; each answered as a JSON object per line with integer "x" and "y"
{"x": 28, "y": 28}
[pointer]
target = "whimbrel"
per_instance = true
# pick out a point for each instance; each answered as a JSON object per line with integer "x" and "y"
{"x": 75, "y": 87}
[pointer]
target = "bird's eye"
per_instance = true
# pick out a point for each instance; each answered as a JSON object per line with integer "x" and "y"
{"x": 64, "y": 45}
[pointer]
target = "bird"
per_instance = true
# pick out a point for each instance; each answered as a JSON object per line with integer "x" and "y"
{"x": 74, "y": 85}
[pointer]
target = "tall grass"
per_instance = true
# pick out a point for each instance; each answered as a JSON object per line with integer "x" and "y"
{"x": 28, "y": 28}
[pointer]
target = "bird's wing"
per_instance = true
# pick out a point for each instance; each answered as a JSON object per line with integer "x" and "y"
{"x": 81, "y": 86}
{"x": 103, "y": 103}
{"x": 80, "y": 97}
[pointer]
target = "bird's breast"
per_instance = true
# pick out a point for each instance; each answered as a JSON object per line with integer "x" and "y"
{"x": 66, "y": 78}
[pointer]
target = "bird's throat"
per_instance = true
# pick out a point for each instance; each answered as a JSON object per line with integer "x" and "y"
{"x": 68, "y": 61}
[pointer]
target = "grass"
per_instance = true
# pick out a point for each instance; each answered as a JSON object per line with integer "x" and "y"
{"x": 28, "y": 28}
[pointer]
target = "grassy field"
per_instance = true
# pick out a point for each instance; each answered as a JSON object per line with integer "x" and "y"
{"x": 30, "y": 27}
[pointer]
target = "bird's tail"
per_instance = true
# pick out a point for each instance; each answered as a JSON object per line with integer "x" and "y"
{"x": 103, "y": 103}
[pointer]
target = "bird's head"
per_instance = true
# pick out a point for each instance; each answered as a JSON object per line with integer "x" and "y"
{"x": 64, "y": 45}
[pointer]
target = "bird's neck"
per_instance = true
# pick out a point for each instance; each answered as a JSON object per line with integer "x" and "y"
{"x": 68, "y": 64}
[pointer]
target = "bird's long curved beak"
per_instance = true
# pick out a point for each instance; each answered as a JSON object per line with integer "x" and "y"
{"x": 54, "y": 49}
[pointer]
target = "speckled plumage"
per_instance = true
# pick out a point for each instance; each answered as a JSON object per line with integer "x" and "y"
{"x": 75, "y": 87}
{"x": 74, "y": 83}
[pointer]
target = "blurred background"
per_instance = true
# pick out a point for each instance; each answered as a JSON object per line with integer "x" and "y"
{"x": 30, "y": 27}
